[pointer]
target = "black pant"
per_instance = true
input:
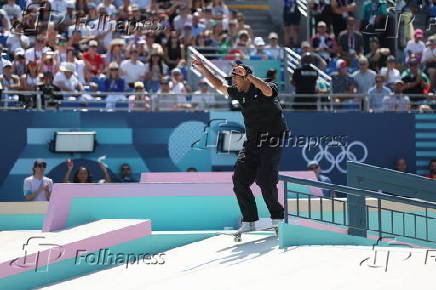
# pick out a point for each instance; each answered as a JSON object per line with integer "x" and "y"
{"x": 258, "y": 164}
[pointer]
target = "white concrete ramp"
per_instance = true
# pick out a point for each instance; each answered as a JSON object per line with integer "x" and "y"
{"x": 257, "y": 263}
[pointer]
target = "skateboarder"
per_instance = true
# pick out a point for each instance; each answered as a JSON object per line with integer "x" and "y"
{"x": 266, "y": 127}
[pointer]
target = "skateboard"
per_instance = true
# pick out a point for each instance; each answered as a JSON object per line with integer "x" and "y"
{"x": 237, "y": 236}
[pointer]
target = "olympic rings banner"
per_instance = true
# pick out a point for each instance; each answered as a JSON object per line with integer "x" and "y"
{"x": 164, "y": 141}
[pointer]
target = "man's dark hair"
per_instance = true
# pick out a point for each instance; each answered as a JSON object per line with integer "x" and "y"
{"x": 431, "y": 161}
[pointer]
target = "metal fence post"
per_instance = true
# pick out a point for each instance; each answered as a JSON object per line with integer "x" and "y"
{"x": 38, "y": 101}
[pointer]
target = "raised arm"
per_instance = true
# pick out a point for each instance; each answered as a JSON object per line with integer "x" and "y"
{"x": 216, "y": 82}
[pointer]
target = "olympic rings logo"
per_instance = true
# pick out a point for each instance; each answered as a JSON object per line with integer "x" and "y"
{"x": 346, "y": 154}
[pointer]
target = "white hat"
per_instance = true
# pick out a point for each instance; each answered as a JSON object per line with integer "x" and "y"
{"x": 68, "y": 66}
{"x": 6, "y": 63}
{"x": 312, "y": 163}
{"x": 19, "y": 51}
{"x": 93, "y": 43}
{"x": 259, "y": 41}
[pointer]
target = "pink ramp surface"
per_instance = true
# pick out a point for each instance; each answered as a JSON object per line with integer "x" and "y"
{"x": 67, "y": 244}
{"x": 63, "y": 193}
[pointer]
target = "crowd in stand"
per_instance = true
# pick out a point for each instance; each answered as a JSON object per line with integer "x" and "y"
{"x": 131, "y": 50}
{"x": 367, "y": 50}
{"x": 117, "y": 47}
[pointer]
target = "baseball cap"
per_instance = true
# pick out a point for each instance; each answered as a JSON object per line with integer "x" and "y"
{"x": 93, "y": 43}
{"x": 305, "y": 44}
{"x": 273, "y": 35}
{"x": 246, "y": 67}
{"x": 321, "y": 23}
{"x": 340, "y": 63}
{"x": 312, "y": 163}
{"x": 6, "y": 63}
{"x": 259, "y": 41}
{"x": 19, "y": 51}
{"x": 419, "y": 33}
{"x": 39, "y": 161}
{"x": 165, "y": 80}
{"x": 139, "y": 85}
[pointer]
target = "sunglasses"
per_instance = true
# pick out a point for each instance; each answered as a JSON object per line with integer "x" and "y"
{"x": 41, "y": 165}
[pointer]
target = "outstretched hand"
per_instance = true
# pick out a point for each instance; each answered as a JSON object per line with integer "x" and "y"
{"x": 197, "y": 62}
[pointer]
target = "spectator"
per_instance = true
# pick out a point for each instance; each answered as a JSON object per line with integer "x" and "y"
{"x": 429, "y": 59}
{"x": 342, "y": 13}
{"x": 273, "y": 49}
{"x": 12, "y": 10}
{"x": 17, "y": 39}
{"x": 260, "y": 53}
{"x": 232, "y": 32}
{"x": 342, "y": 83}
{"x": 113, "y": 83}
{"x": 317, "y": 60}
{"x": 94, "y": 62}
{"x": 9, "y": 81}
{"x": 115, "y": 53}
{"x": 83, "y": 175}
{"x": 415, "y": 81}
{"x": 271, "y": 75}
{"x": 377, "y": 56}
{"x": 373, "y": 18}
{"x": 432, "y": 169}
{"x": 322, "y": 11}
{"x": 35, "y": 53}
{"x": 132, "y": 69}
{"x": 140, "y": 101}
{"x": 314, "y": 166}
{"x": 242, "y": 26}
{"x": 376, "y": 94}
{"x": 397, "y": 101}
{"x": 197, "y": 26}
{"x": 291, "y": 19}
{"x": 322, "y": 43}
{"x": 401, "y": 165}
{"x": 19, "y": 63}
{"x": 219, "y": 8}
{"x": 164, "y": 99}
{"x": 49, "y": 99}
{"x": 350, "y": 42}
{"x": 126, "y": 174}
{"x": 304, "y": 80}
{"x": 390, "y": 73}
{"x": 155, "y": 71}
{"x": 191, "y": 169}
{"x": 203, "y": 99}
{"x": 364, "y": 77}
{"x": 415, "y": 48}
{"x": 173, "y": 51}
{"x": 65, "y": 80}
{"x": 38, "y": 187}
{"x": 183, "y": 18}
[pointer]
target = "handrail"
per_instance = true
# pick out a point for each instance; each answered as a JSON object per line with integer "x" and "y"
{"x": 356, "y": 191}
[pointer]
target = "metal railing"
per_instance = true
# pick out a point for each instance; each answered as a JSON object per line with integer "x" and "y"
{"x": 16, "y": 100}
{"x": 344, "y": 209}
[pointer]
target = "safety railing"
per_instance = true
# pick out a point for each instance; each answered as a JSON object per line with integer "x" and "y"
{"x": 194, "y": 72}
{"x": 380, "y": 209}
{"x": 17, "y": 100}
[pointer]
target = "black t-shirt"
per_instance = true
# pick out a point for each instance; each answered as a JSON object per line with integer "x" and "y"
{"x": 262, "y": 114}
{"x": 305, "y": 78}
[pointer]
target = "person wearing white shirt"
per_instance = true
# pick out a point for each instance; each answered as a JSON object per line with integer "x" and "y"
{"x": 202, "y": 99}
{"x": 398, "y": 101}
{"x": 38, "y": 187}
{"x": 133, "y": 70}
{"x": 65, "y": 79}
{"x": 183, "y": 18}
{"x": 273, "y": 47}
{"x": 142, "y": 4}
{"x": 12, "y": 10}
{"x": 59, "y": 6}
{"x": 415, "y": 47}
{"x": 390, "y": 73}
